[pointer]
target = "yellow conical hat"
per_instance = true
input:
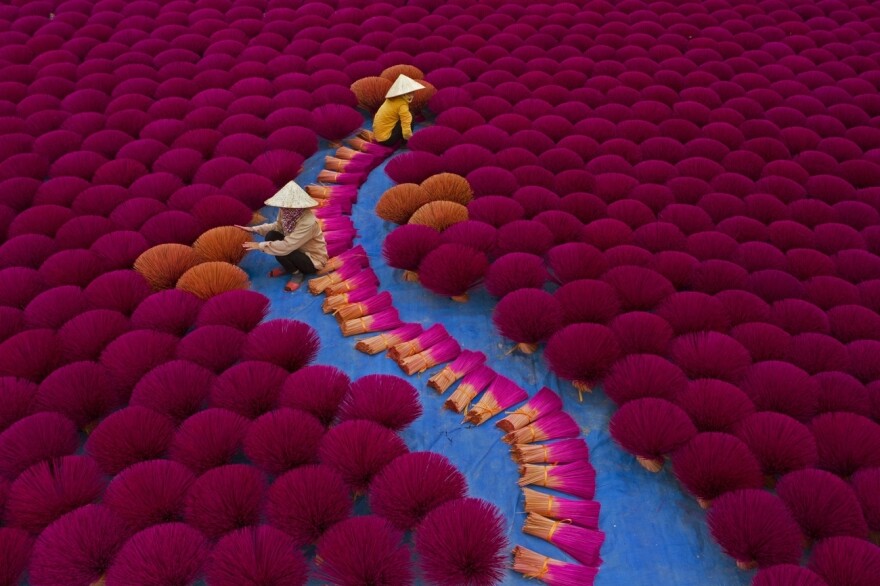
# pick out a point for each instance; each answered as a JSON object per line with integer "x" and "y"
{"x": 291, "y": 196}
{"x": 403, "y": 85}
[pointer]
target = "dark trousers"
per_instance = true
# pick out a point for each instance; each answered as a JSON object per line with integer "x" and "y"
{"x": 396, "y": 136}
{"x": 296, "y": 260}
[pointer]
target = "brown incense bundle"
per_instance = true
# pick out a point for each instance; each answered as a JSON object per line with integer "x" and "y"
{"x": 382, "y": 342}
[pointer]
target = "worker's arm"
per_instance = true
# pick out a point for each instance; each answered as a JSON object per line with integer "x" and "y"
{"x": 264, "y": 229}
{"x": 305, "y": 230}
{"x": 405, "y": 121}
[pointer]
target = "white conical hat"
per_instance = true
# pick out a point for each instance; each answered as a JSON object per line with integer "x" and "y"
{"x": 403, "y": 85}
{"x": 291, "y": 196}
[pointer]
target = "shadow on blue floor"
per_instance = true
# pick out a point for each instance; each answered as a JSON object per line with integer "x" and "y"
{"x": 655, "y": 534}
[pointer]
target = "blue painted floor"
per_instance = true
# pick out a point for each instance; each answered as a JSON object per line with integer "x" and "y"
{"x": 655, "y": 534}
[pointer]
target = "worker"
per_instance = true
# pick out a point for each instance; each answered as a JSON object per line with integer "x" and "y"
{"x": 393, "y": 121}
{"x": 295, "y": 239}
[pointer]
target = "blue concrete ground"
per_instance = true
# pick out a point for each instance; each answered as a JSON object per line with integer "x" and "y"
{"x": 655, "y": 534}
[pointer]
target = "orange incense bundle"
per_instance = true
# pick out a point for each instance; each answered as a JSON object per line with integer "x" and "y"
{"x": 334, "y": 302}
{"x": 543, "y": 403}
{"x": 319, "y": 284}
{"x": 425, "y": 340}
{"x": 577, "y": 479}
{"x": 532, "y": 564}
{"x": 581, "y": 544}
{"x": 365, "y": 278}
{"x": 374, "y": 304}
{"x": 562, "y": 452}
{"x": 443, "y": 351}
{"x": 387, "y": 319}
{"x": 466, "y": 362}
{"x": 500, "y": 395}
{"x": 558, "y": 425}
{"x": 356, "y": 255}
{"x": 382, "y": 342}
{"x": 471, "y": 386}
{"x": 579, "y": 512}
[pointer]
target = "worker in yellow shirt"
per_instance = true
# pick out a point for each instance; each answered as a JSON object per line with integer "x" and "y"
{"x": 393, "y": 120}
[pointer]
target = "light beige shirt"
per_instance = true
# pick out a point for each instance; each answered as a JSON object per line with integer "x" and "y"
{"x": 306, "y": 236}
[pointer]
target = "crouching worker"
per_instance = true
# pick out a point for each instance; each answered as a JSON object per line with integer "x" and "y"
{"x": 295, "y": 239}
{"x": 393, "y": 121}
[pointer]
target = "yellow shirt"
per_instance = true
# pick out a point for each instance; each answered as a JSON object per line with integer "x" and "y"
{"x": 389, "y": 113}
{"x": 306, "y": 236}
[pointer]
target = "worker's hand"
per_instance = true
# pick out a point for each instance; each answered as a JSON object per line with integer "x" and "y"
{"x": 245, "y": 228}
{"x": 250, "y": 245}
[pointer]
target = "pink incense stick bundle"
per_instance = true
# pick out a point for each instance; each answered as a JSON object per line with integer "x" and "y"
{"x": 439, "y": 353}
{"x": 336, "y": 224}
{"x": 326, "y": 176}
{"x": 501, "y": 394}
{"x": 580, "y": 512}
{"x": 319, "y": 284}
{"x": 370, "y": 306}
{"x": 365, "y": 146}
{"x": 543, "y": 403}
{"x": 562, "y": 452}
{"x": 387, "y": 319}
{"x": 471, "y": 385}
{"x": 365, "y": 278}
{"x": 359, "y": 165}
{"x": 377, "y": 344}
{"x": 333, "y": 302}
{"x": 356, "y": 255}
{"x": 549, "y": 571}
{"x": 581, "y": 544}
{"x": 557, "y": 425}
{"x": 577, "y": 479}
{"x": 433, "y": 335}
{"x": 466, "y": 362}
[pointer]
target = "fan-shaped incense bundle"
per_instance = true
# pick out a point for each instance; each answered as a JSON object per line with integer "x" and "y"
{"x": 466, "y": 362}
{"x": 439, "y": 214}
{"x": 554, "y": 572}
{"x": 354, "y": 256}
{"x": 423, "y": 341}
{"x": 448, "y": 187}
{"x": 651, "y": 428}
{"x": 363, "y": 550}
{"x": 164, "y": 264}
{"x": 543, "y": 403}
{"x": 580, "y": 543}
{"x": 561, "y": 452}
{"x": 471, "y": 385}
{"x": 320, "y": 284}
{"x": 443, "y": 351}
{"x": 577, "y": 478}
{"x": 370, "y": 91}
{"x": 358, "y": 449}
{"x": 364, "y": 278}
{"x": 501, "y": 394}
{"x": 712, "y": 464}
{"x": 221, "y": 244}
{"x": 334, "y": 302}
{"x": 367, "y": 307}
{"x": 557, "y": 425}
{"x": 377, "y": 344}
{"x": 582, "y": 353}
{"x": 212, "y": 278}
{"x": 386, "y": 319}
{"x": 400, "y": 202}
{"x": 580, "y": 512}
{"x": 452, "y": 269}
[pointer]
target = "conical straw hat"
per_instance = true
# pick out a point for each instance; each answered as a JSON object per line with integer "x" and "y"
{"x": 291, "y": 196}
{"x": 403, "y": 85}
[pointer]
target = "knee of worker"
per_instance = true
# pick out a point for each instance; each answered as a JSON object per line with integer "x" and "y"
{"x": 274, "y": 235}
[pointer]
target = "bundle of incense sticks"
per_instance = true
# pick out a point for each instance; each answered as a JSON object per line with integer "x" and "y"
{"x": 580, "y": 543}
{"x": 356, "y": 255}
{"x": 387, "y": 319}
{"x": 327, "y": 176}
{"x": 374, "y": 304}
{"x": 466, "y": 362}
{"x": 562, "y": 452}
{"x": 441, "y": 352}
{"x": 365, "y": 278}
{"x": 336, "y": 223}
{"x": 579, "y": 512}
{"x": 319, "y": 284}
{"x": 334, "y": 302}
{"x": 382, "y": 342}
{"x": 348, "y": 154}
{"x": 501, "y": 394}
{"x": 543, "y": 403}
{"x": 558, "y": 425}
{"x": 425, "y": 340}
{"x": 470, "y": 386}
{"x": 365, "y": 134}
{"x": 531, "y": 564}
{"x": 335, "y": 204}
{"x": 332, "y": 191}
{"x": 359, "y": 165}
{"x": 577, "y": 478}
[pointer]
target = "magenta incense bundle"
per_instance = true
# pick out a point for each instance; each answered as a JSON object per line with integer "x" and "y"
{"x": 561, "y": 452}
{"x": 580, "y": 543}
{"x": 543, "y": 403}
{"x": 364, "y": 278}
{"x": 387, "y": 319}
{"x": 354, "y": 256}
{"x": 443, "y": 351}
{"x": 433, "y": 335}
{"x": 334, "y": 302}
{"x": 577, "y": 479}
{"x": 377, "y": 344}
{"x": 471, "y": 385}
{"x": 584, "y": 513}
{"x": 550, "y": 571}
{"x": 466, "y": 362}
{"x": 501, "y": 394}
{"x": 346, "y": 271}
{"x": 369, "y": 306}
{"x": 557, "y": 425}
